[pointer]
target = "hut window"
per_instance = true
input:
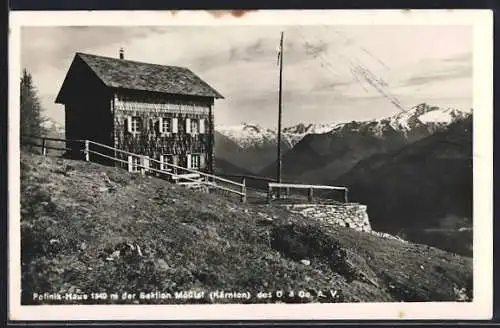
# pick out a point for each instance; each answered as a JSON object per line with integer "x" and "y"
{"x": 195, "y": 161}
{"x": 165, "y": 126}
{"x": 134, "y": 124}
{"x": 167, "y": 159}
{"x": 133, "y": 163}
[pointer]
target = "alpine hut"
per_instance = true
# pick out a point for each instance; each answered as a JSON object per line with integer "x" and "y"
{"x": 157, "y": 111}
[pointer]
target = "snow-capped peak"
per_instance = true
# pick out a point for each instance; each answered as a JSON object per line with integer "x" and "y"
{"x": 295, "y": 133}
{"x": 421, "y": 115}
{"x": 425, "y": 114}
{"x": 303, "y": 129}
{"x": 446, "y": 116}
{"x": 247, "y": 134}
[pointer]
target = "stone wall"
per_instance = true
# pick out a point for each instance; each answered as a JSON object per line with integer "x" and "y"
{"x": 349, "y": 215}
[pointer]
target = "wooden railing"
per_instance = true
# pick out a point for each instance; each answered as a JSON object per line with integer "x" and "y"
{"x": 252, "y": 181}
{"x": 46, "y": 143}
{"x": 174, "y": 172}
{"x": 285, "y": 189}
{"x": 171, "y": 171}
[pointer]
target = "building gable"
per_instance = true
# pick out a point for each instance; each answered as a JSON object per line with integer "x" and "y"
{"x": 80, "y": 82}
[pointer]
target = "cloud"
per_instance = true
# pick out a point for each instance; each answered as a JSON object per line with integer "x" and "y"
{"x": 434, "y": 70}
{"x": 331, "y": 85}
{"x": 44, "y": 46}
{"x": 462, "y": 58}
{"x": 330, "y": 73}
{"x": 439, "y": 76}
{"x": 316, "y": 49}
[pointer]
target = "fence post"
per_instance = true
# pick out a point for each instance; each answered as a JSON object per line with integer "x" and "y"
{"x": 345, "y": 195}
{"x": 244, "y": 191}
{"x": 310, "y": 195}
{"x": 44, "y": 149}
{"x": 269, "y": 191}
{"x": 87, "y": 153}
{"x": 141, "y": 165}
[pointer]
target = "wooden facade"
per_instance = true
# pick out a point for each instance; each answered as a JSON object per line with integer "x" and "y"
{"x": 167, "y": 125}
{"x": 165, "y": 128}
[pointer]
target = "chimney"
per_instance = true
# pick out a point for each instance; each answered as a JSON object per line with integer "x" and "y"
{"x": 121, "y": 54}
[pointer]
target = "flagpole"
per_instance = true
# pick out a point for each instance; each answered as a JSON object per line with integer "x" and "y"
{"x": 279, "y": 111}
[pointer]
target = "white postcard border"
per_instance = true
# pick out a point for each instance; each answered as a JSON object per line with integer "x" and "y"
{"x": 480, "y": 308}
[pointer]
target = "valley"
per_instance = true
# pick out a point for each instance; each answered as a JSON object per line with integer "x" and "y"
{"x": 413, "y": 170}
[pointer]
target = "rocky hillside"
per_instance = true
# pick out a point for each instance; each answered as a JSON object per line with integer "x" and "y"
{"x": 87, "y": 228}
{"x": 323, "y": 157}
{"x": 425, "y": 185}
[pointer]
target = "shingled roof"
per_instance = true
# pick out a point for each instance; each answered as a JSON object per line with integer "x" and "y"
{"x": 127, "y": 74}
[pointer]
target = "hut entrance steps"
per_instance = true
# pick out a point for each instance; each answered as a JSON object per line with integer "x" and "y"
{"x": 189, "y": 180}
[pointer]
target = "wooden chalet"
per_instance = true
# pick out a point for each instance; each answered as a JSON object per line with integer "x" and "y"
{"x": 160, "y": 112}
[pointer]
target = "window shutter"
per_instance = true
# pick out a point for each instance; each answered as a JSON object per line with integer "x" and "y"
{"x": 145, "y": 162}
{"x": 128, "y": 121}
{"x": 160, "y": 125}
{"x": 162, "y": 166}
{"x": 174, "y": 125}
{"x": 188, "y": 125}
{"x": 130, "y": 163}
{"x": 202, "y": 125}
{"x": 188, "y": 161}
{"x": 202, "y": 161}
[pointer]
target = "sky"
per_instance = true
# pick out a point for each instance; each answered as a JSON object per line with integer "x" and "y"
{"x": 330, "y": 73}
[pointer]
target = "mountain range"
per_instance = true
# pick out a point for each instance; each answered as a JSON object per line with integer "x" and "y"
{"x": 323, "y": 157}
{"x": 252, "y": 147}
{"x": 311, "y": 150}
{"x": 436, "y": 169}
{"x": 424, "y": 189}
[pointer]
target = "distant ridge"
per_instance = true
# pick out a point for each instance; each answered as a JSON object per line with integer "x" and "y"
{"x": 320, "y": 157}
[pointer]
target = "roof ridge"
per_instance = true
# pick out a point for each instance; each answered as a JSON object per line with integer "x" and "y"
{"x": 128, "y": 60}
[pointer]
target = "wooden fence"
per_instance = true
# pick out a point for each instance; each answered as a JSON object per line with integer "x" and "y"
{"x": 44, "y": 143}
{"x": 290, "y": 190}
{"x": 252, "y": 181}
{"x": 167, "y": 170}
{"x": 284, "y": 189}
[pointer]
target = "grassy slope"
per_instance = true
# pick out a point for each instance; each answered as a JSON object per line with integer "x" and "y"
{"x": 75, "y": 215}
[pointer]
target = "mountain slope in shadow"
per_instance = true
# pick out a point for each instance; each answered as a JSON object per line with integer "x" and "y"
{"x": 421, "y": 186}
{"x": 251, "y": 158}
{"x": 224, "y": 167}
